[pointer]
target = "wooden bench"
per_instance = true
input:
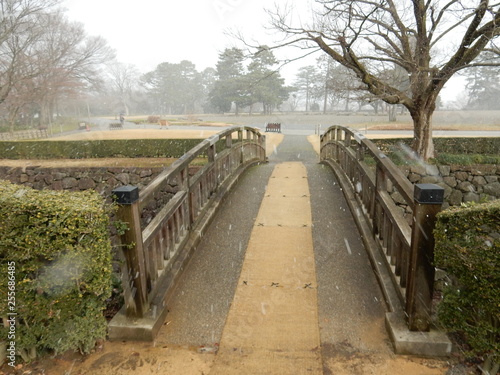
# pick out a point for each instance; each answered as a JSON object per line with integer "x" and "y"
{"x": 115, "y": 126}
{"x": 273, "y": 127}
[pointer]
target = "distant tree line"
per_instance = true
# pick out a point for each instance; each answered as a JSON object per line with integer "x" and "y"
{"x": 51, "y": 68}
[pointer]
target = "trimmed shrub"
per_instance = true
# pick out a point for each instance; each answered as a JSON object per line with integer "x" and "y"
{"x": 468, "y": 248}
{"x": 466, "y": 159}
{"x": 153, "y": 119}
{"x": 59, "y": 244}
{"x": 484, "y": 146}
{"x": 106, "y": 148}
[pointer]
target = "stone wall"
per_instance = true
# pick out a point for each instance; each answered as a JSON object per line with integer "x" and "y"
{"x": 102, "y": 179}
{"x": 461, "y": 184}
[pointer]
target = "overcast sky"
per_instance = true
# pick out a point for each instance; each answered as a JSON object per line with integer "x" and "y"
{"x": 148, "y": 32}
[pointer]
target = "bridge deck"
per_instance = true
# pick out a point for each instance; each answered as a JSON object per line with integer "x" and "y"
{"x": 350, "y": 308}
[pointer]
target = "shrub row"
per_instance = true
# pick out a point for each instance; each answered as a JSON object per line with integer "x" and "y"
{"x": 58, "y": 244}
{"x": 468, "y": 248}
{"x": 482, "y": 146}
{"x": 105, "y": 148}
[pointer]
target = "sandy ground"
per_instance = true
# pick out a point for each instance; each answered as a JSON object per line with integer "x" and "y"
{"x": 135, "y": 134}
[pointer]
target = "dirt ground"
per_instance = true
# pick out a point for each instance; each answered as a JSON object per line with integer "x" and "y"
{"x": 127, "y": 358}
{"x": 123, "y": 358}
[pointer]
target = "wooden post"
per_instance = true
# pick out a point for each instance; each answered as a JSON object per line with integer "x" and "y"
{"x": 262, "y": 144}
{"x": 229, "y": 140}
{"x": 428, "y": 200}
{"x": 127, "y": 198}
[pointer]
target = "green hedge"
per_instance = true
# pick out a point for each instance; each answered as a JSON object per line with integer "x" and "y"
{"x": 59, "y": 245}
{"x": 468, "y": 248}
{"x": 466, "y": 159}
{"x": 485, "y": 146}
{"x": 128, "y": 148}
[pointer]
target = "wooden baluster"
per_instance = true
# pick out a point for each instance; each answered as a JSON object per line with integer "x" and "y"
{"x": 176, "y": 227}
{"x": 380, "y": 185}
{"x": 153, "y": 260}
{"x": 171, "y": 237}
{"x": 386, "y": 233}
{"x": 164, "y": 244}
{"x": 405, "y": 256}
{"x": 391, "y": 243}
{"x": 398, "y": 247}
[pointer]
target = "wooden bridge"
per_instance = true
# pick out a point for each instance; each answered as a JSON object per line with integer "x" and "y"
{"x": 163, "y": 236}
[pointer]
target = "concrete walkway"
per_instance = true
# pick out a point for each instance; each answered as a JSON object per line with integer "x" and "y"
{"x": 272, "y": 324}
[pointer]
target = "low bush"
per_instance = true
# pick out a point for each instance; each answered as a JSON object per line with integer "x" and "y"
{"x": 148, "y": 148}
{"x": 459, "y": 145}
{"x": 468, "y": 249}
{"x": 466, "y": 159}
{"x": 153, "y": 119}
{"x": 58, "y": 244}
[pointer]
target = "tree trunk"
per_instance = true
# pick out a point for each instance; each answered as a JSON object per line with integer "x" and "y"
{"x": 44, "y": 114}
{"x": 325, "y": 99}
{"x": 422, "y": 134}
{"x": 392, "y": 113}
{"x": 12, "y": 118}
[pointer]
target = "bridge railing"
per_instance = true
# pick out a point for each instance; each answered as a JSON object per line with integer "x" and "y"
{"x": 155, "y": 251}
{"x": 402, "y": 232}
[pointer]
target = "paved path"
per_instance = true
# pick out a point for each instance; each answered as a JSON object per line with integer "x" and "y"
{"x": 272, "y": 324}
{"x": 350, "y": 309}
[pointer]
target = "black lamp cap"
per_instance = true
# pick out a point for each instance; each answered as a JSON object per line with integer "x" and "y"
{"x": 428, "y": 193}
{"x": 126, "y": 194}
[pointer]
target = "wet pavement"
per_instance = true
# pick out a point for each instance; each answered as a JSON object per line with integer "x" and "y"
{"x": 351, "y": 307}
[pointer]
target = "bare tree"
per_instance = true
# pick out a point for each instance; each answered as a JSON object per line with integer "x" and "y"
{"x": 18, "y": 33}
{"x": 431, "y": 40}
{"x": 123, "y": 79}
{"x": 57, "y": 60}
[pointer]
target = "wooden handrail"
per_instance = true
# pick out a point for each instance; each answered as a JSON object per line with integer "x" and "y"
{"x": 153, "y": 250}
{"x": 405, "y": 242}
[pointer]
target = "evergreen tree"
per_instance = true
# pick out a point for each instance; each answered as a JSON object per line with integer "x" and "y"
{"x": 265, "y": 85}
{"x": 229, "y": 87}
{"x": 483, "y": 85}
{"x": 174, "y": 87}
